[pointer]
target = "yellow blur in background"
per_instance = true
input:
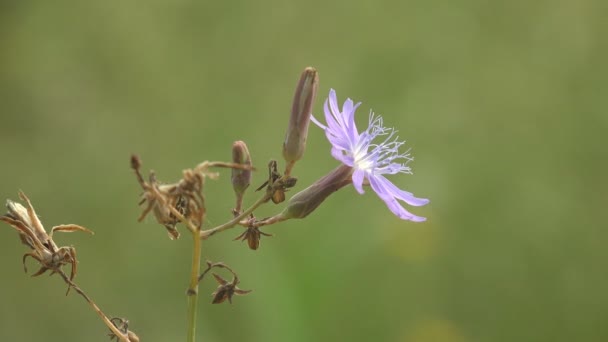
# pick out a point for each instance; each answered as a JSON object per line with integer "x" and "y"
{"x": 503, "y": 103}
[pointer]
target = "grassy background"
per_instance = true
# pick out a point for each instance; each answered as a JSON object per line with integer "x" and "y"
{"x": 503, "y": 102}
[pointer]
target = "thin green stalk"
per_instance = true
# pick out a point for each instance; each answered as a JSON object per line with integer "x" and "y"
{"x": 193, "y": 288}
{"x": 207, "y": 233}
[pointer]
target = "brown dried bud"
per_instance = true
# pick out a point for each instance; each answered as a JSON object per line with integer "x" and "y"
{"x": 240, "y": 178}
{"x": 277, "y": 185}
{"x": 297, "y": 131}
{"x": 135, "y": 162}
{"x": 226, "y": 289}
{"x": 307, "y": 200}
{"x": 252, "y": 234}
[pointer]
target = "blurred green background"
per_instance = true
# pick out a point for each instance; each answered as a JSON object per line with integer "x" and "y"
{"x": 504, "y": 104}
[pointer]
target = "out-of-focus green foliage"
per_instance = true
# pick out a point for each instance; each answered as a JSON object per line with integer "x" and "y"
{"x": 504, "y": 104}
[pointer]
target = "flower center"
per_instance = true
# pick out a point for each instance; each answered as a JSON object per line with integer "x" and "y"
{"x": 361, "y": 160}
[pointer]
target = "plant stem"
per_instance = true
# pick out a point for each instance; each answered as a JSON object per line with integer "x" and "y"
{"x": 207, "y": 233}
{"x": 271, "y": 220}
{"x": 288, "y": 168}
{"x": 95, "y": 308}
{"x": 193, "y": 288}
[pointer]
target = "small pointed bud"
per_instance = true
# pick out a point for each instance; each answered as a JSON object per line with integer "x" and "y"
{"x": 135, "y": 162}
{"x": 297, "y": 131}
{"x": 240, "y": 178}
{"x": 307, "y": 200}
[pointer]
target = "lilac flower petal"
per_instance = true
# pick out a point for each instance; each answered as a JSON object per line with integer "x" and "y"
{"x": 350, "y": 118}
{"x": 358, "y": 177}
{"x": 341, "y": 123}
{"x": 405, "y": 196}
{"x": 392, "y": 203}
{"x": 333, "y": 98}
{"x": 339, "y": 155}
{"x": 317, "y": 122}
{"x": 330, "y": 119}
{"x": 337, "y": 141}
{"x": 351, "y": 127}
{"x": 333, "y": 105}
{"x": 347, "y": 107}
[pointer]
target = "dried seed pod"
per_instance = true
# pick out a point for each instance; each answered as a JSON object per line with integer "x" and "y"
{"x": 226, "y": 290}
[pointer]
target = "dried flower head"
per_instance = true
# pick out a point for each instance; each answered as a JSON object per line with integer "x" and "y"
{"x": 169, "y": 202}
{"x": 277, "y": 185}
{"x": 32, "y": 233}
{"x": 369, "y": 160}
{"x": 182, "y": 201}
{"x": 226, "y": 289}
{"x": 252, "y": 234}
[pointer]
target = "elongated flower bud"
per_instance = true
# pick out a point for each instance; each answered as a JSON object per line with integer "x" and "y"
{"x": 240, "y": 178}
{"x": 307, "y": 200}
{"x": 297, "y": 131}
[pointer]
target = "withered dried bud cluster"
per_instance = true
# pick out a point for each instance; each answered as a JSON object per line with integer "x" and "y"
{"x": 165, "y": 200}
{"x": 32, "y": 234}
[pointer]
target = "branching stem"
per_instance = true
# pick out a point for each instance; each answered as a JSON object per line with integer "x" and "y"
{"x": 207, "y": 233}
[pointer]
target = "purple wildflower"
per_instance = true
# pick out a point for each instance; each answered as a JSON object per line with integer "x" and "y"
{"x": 370, "y": 161}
